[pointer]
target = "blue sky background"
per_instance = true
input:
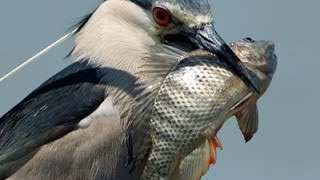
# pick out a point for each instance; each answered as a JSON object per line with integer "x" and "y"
{"x": 287, "y": 145}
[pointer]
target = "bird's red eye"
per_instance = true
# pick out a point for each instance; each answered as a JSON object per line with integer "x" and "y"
{"x": 161, "y": 16}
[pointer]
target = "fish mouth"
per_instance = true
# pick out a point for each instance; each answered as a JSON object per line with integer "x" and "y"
{"x": 258, "y": 55}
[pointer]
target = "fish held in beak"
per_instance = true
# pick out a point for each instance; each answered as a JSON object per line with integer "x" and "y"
{"x": 207, "y": 38}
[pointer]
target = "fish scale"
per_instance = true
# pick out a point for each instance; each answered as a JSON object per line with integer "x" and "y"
{"x": 185, "y": 101}
{"x": 183, "y": 109}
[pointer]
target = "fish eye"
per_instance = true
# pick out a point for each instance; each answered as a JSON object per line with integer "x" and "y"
{"x": 249, "y": 39}
{"x": 161, "y": 15}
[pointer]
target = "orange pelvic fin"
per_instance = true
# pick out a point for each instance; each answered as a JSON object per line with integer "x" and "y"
{"x": 215, "y": 144}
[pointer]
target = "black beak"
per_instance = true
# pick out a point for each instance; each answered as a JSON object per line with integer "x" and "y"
{"x": 208, "y": 39}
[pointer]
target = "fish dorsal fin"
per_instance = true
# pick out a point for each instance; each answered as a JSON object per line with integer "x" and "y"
{"x": 248, "y": 120}
{"x": 151, "y": 75}
{"x": 138, "y": 111}
{"x": 158, "y": 65}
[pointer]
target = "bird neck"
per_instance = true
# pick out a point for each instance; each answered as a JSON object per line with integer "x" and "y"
{"x": 115, "y": 36}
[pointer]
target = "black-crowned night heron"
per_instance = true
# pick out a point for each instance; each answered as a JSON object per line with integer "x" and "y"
{"x": 41, "y": 138}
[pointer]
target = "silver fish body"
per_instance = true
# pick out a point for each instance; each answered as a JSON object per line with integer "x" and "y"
{"x": 195, "y": 99}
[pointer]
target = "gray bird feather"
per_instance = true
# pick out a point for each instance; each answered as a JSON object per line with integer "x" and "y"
{"x": 55, "y": 109}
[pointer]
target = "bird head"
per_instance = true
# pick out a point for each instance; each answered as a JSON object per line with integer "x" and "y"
{"x": 121, "y": 32}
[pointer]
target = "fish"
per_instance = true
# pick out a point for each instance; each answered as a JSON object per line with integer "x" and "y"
{"x": 187, "y": 98}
